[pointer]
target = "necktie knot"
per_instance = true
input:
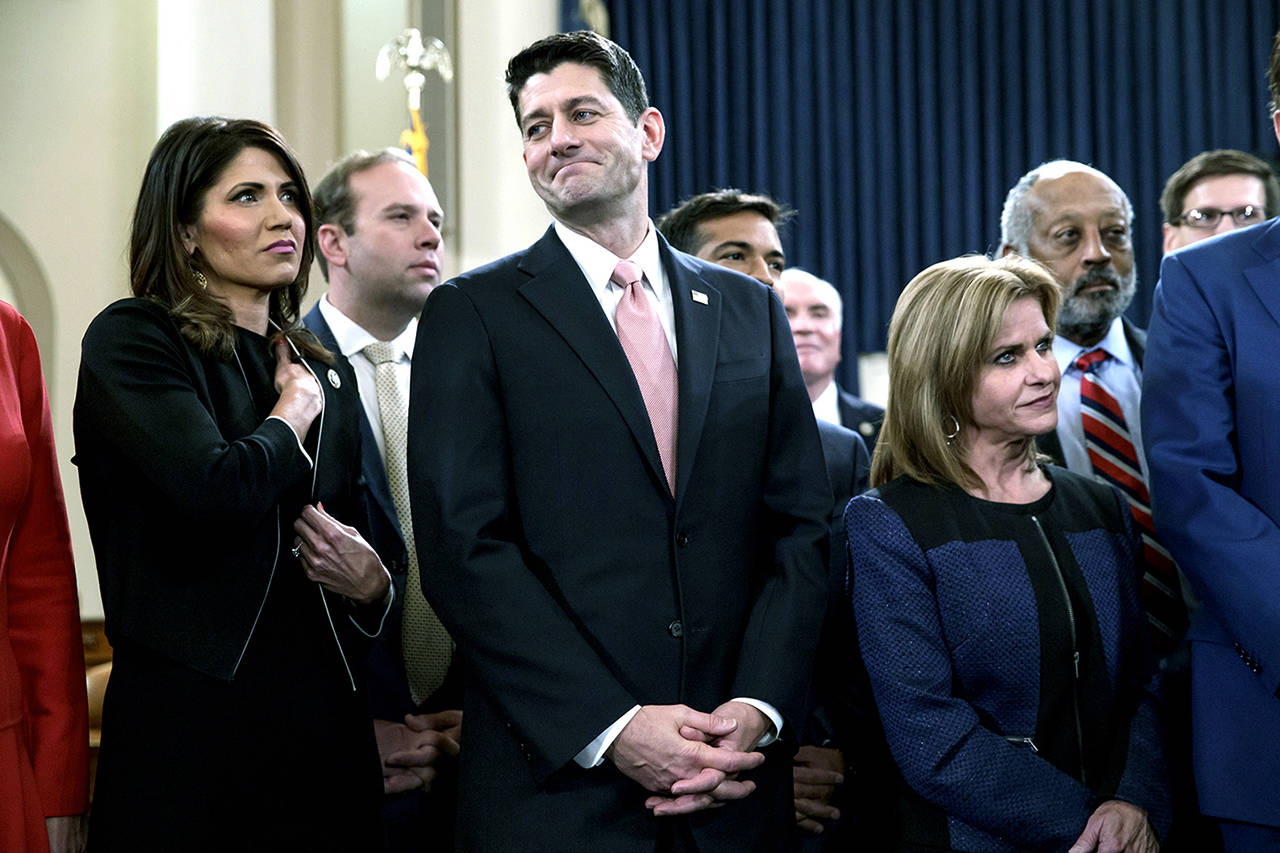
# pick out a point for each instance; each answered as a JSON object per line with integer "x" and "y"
{"x": 380, "y": 352}
{"x": 626, "y": 273}
{"x": 1088, "y": 362}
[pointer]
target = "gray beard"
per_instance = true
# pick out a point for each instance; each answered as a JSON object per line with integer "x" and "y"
{"x": 1086, "y": 316}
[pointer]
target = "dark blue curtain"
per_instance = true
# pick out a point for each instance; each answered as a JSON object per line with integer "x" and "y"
{"x": 895, "y": 127}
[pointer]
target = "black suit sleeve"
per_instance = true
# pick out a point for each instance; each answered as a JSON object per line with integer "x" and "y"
{"x": 778, "y": 646}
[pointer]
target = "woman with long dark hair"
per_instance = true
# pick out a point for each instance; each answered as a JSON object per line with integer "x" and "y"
{"x": 218, "y": 446}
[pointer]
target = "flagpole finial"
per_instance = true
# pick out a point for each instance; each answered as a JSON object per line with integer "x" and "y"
{"x": 415, "y": 57}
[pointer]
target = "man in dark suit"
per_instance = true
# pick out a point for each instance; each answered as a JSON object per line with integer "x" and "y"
{"x": 740, "y": 231}
{"x": 816, "y": 312}
{"x": 1209, "y": 416}
{"x": 378, "y": 233}
{"x": 619, "y": 494}
{"x": 1077, "y": 222}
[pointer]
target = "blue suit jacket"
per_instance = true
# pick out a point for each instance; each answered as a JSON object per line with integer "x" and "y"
{"x": 574, "y": 582}
{"x": 1210, "y": 402}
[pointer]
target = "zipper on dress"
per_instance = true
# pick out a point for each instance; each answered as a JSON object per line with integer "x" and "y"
{"x": 1023, "y": 741}
{"x": 315, "y": 472}
{"x": 1075, "y": 649}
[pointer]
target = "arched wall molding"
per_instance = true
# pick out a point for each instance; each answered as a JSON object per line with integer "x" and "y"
{"x": 31, "y": 288}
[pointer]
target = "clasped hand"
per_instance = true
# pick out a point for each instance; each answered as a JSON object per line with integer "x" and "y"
{"x": 338, "y": 558}
{"x": 688, "y": 758}
{"x": 410, "y": 751}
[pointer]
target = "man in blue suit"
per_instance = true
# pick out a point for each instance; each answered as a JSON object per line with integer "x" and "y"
{"x": 1209, "y": 408}
{"x": 620, "y": 501}
{"x": 378, "y": 233}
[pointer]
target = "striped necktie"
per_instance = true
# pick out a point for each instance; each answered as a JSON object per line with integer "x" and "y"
{"x": 645, "y": 342}
{"x": 1115, "y": 461}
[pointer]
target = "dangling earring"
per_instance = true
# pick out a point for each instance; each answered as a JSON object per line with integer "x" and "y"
{"x": 200, "y": 279}
{"x": 950, "y": 435}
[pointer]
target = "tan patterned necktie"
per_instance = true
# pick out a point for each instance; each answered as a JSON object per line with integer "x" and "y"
{"x": 426, "y": 645}
{"x": 645, "y": 342}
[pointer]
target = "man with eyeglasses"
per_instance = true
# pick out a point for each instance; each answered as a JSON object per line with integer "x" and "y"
{"x": 1209, "y": 416}
{"x": 1215, "y": 192}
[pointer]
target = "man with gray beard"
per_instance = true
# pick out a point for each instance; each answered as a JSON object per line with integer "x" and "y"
{"x": 1076, "y": 221}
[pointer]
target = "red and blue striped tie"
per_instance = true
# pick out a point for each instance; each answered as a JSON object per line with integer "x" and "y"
{"x": 1115, "y": 461}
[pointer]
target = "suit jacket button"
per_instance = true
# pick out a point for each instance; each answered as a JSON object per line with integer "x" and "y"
{"x": 682, "y": 539}
{"x": 675, "y": 629}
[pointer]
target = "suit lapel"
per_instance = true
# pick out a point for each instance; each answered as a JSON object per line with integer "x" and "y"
{"x": 375, "y": 476}
{"x": 1263, "y": 277}
{"x": 697, "y": 339}
{"x": 558, "y": 291}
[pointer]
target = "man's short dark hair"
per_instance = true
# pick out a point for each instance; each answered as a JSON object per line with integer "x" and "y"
{"x": 617, "y": 69}
{"x": 333, "y": 199}
{"x": 1273, "y": 77}
{"x": 1208, "y": 164}
{"x": 680, "y": 224}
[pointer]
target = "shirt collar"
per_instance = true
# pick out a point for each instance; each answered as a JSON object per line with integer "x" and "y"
{"x": 352, "y": 337}
{"x": 597, "y": 262}
{"x": 827, "y": 405}
{"x": 1115, "y": 342}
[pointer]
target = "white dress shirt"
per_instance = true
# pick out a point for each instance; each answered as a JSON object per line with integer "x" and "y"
{"x": 352, "y": 339}
{"x": 827, "y": 406}
{"x": 597, "y": 264}
{"x": 1122, "y": 377}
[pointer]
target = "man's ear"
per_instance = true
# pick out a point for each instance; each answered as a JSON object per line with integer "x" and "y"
{"x": 331, "y": 240}
{"x": 655, "y": 132}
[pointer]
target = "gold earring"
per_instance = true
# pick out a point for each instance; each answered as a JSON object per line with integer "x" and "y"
{"x": 201, "y": 280}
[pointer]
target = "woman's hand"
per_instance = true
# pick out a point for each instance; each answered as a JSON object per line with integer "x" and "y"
{"x": 336, "y": 556}
{"x": 300, "y": 396}
{"x": 1117, "y": 827}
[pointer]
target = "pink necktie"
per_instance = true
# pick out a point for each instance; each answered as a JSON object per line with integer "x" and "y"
{"x": 645, "y": 343}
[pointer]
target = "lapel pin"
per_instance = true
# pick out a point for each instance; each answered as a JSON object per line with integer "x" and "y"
{"x": 334, "y": 380}
{"x": 698, "y": 296}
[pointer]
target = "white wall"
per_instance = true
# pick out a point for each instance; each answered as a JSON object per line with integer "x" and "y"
{"x": 79, "y": 113}
{"x": 89, "y": 86}
{"x": 499, "y": 213}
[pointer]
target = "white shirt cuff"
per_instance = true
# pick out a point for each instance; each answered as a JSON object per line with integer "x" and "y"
{"x": 770, "y": 712}
{"x": 593, "y": 754}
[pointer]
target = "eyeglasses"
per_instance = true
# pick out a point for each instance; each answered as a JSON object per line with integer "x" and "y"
{"x": 1209, "y": 217}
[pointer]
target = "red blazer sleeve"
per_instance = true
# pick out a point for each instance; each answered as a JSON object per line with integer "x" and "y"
{"x": 40, "y": 587}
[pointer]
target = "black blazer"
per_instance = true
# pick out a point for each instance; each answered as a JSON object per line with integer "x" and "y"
{"x": 575, "y": 583}
{"x": 389, "y": 697}
{"x": 181, "y": 479}
{"x": 1049, "y": 443}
